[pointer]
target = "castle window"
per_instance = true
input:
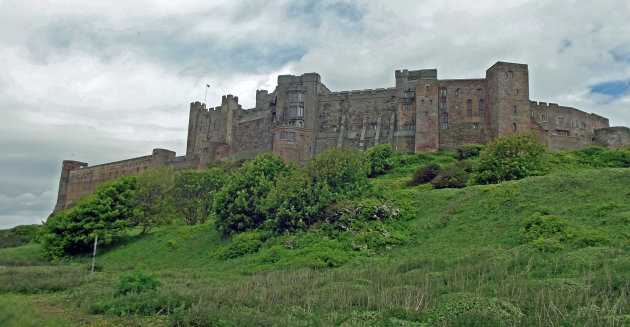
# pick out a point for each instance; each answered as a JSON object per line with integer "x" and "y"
{"x": 413, "y": 120}
{"x": 513, "y": 126}
{"x": 510, "y": 74}
{"x": 482, "y": 108}
{"x": 407, "y": 106}
{"x": 469, "y": 108}
{"x": 514, "y": 109}
{"x": 289, "y": 136}
{"x": 562, "y": 132}
{"x": 560, "y": 120}
{"x": 543, "y": 118}
{"x": 478, "y": 92}
{"x": 532, "y": 113}
{"x": 443, "y": 92}
{"x": 409, "y": 127}
{"x": 409, "y": 94}
{"x": 205, "y": 150}
{"x": 426, "y": 89}
{"x": 475, "y": 126}
{"x": 517, "y": 91}
{"x": 456, "y": 92}
{"x": 444, "y": 121}
{"x": 296, "y": 97}
{"x": 443, "y": 105}
{"x": 582, "y": 125}
{"x": 334, "y": 129}
{"x": 296, "y": 112}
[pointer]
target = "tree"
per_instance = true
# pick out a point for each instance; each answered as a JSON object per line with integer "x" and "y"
{"x": 239, "y": 205}
{"x": 105, "y": 213}
{"x": 379, "y": 157}
{"x": 152, "y": 198}
{"x": 298, "y": 200}
{"x": 509, "y": 158}
{"x": 194, "y": 191}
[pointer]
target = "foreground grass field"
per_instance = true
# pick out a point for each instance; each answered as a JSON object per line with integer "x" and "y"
{"x": 543, "y": 251}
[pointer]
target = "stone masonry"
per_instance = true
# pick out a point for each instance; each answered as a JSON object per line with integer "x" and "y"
{"x": 302, "y": 118}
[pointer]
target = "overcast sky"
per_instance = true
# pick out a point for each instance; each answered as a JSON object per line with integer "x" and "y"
{"x": 100, "y": 81}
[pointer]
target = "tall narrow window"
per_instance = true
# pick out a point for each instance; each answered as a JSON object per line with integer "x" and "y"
{"x": 532, "y": 113}
{"x": 482, "y": 108}
{"x": 514, "y": 109}
{"x": 478, "y": 92}
{"x": 426, "y": 89}
{"x": 510, "y": 74}
{"x": 513, "y": 126}
{"x": 456, "y": 92}
{"x": 442, "y": 105}
{"x": 469, "y": 108}
{"x": 444, "y": 121}
{"x": 443, "y": 92}
{"x": 543, "y": 118}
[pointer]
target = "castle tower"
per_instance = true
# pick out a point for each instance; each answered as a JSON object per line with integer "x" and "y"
{"x": 66, "y": 167}
{"x": 508, "y": 98}
{"x": 297, "y": 114}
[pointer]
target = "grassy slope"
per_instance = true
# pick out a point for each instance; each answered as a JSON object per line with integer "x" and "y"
{"x": 466, "y": 261}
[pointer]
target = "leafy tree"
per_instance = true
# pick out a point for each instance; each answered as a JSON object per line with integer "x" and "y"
{"x": 239, "y": 205}
{"x": 379, "y": 157}
{"x": 152, "y": 198}
{"x": 105, "y": 213}
{"x": 194, "y": 192}
{"x": 299, "y": 200}
{"x": 509, "y": 158}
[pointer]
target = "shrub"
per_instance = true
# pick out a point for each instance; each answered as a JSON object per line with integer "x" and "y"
{"x": 105, "y": 213}
{"x": 425, "y": 174}
{"x": 194, "y": 192}
{"x": 469, "y": 151}
{"x": 239, "y": 205}
{"x": 137, "y": 282}
{"x": 453, "y": 176}
{"x": 152, "y": 198}
{"x": 544, "y": 231}
{"x": 509, "y": 158}
{"x": 298, "y": 200}
{"x": 380, "y": 158}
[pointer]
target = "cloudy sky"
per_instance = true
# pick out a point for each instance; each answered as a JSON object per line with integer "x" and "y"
{"x": 100, "y": 81}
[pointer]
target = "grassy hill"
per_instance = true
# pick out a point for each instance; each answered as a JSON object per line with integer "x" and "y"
{"x": 548, "y": 250}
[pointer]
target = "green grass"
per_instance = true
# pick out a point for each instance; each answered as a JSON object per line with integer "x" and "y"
{"x": 463, "y": 257}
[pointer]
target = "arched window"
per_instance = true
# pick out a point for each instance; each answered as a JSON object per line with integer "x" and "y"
{"x": 469, "y": 107}
{"x": 482, "y": 108}
{"x": 444, "y": 121}
{"x": 513, "y": 126}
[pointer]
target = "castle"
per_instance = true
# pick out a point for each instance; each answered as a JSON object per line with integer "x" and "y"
{"x": 302, "y": 118}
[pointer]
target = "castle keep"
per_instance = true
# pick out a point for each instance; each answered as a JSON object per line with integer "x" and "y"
{"x": 302, "y": 118}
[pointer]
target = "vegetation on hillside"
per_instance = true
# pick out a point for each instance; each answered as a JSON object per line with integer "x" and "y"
{"x": 352, "y": 239}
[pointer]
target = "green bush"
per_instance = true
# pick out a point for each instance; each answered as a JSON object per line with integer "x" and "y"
{"x": 239, "y": 205}
{"x": 152, "y": 198}
{"x": 144, "y": 304}
{"x": 298, "y": 200}
{"x": 544, "y": 231}
{"x": 136, "y": 282}
{"x": 380, "y": 158}
{"x": 453, "y": 176}
{"x": 194, "y": 191}
{"x": 425, "y": 174}
{"x": 469, "y": 151}
{"x": 242, "y": 244}
{"x": 107, "y": 213}
{"x": 509, "y": 158}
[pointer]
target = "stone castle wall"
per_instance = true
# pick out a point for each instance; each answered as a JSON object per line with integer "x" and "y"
{"x": 302, "y": 118}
